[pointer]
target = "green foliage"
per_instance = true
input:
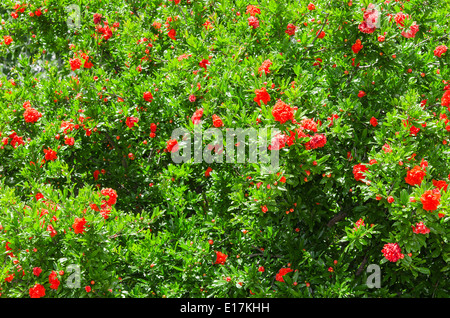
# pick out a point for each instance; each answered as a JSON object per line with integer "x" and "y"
{"x": 314, "y": 215}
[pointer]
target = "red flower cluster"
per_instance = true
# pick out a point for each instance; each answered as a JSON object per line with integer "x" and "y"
{"x": 290, "y": 29}
{"x": 282, "y": 112}
{"x": 281, "y": 273}
{"x": 217, "y": 122}
{"x": 253, "y": 22}
{"x": 358, "y": 171}
{"x": 37, "y": 291}
{"x": 75, "y": 64}
{"x": 370, "y": 19}
{"x": 420, "y": 228}
{"x": 357, "y": 46}
{"x": 148, "y": 96}
{"x": 261, "y": 96}
{"x": 111, "y": 194}
{"x": 358, "y": 223}
{"x": 252, "y": 10}
{"x": 204, "y": 63}
{"x": 317, "y": 141}
{"x": 131, "y": 121}
{"x": 411, "y": 33}
{"x": 197, "y": 116}
{"x": 172, "y": 34}
{"x": 53, "y": 280}
{"x": 97, "y": 18}
{"x": 31, "y": 115}
{"x": 431, "y": 199}
{"x": 172, "y": 145}
{"x": 8, "y": 39}
{"x": 415, "y": 176}
{"x": 265, "y": 67}
{"x": 445, "y": 101}
{"x": 220, "y": 258}
{"x": 441, "y": 184}
{"x": 50, "y": 154}
{"x": 78, "y": 225}
{"x": 439, "y": 50}
{"x": 392, "y": 252}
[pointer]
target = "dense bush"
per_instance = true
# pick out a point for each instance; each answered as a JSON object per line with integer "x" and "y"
{"x": 91, "y": 92}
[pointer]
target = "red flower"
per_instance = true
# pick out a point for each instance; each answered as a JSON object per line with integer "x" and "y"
{"x": 281, "y": 273}
{"x": 358, "y": 171}
{"x": 441, "y": 184}
{"x": 309, "y": 124}
{"x": 365, "y": 28}
{"x": 357, "y": 46}
{"x": 31, "y": 115}
{"x": 361, "y": 94}
{"x": 75, "y": 64}
{"x": 445, "y": 101}
{"x": 97, "y": 18}
{"x": 172, "y": 145}
{"x": 387, "y": 148}
{"x": 414, "y": 130}
{"x": 399, "y": 18}
{"x": 153, "y": 127}
{"x": 148, "y": 96}
{"x": 50, "y": 154}
{"x": 358, "y": 223}
{"x": 9, "y": 278}
{"x": 420, "y": 228}
{"x": 197, "y": 116}
{"x": 220, "y": 258}
{"x": 37, "y": 291}
{"x": 415, "y": 176}
{"x": 261, "y": 95}
{"x": 439, "y": 50}
{"x": 52, "y": 230}
{"x": 208, "y": 171}
{"x": 112, "y": 194}
{"x": 317, "y": 141}
{"x": 252, "y": 10}
{"x": 7, "y": 39}
{"x": 390, "y": 199}
{"x": 78, "y": 225}
{"x": 53, "y": 280}
{"x": 264, "y": 209}
{"x": 392, "y": 252}
{"x": 217, "y": 122}
{"x": 37, "y": 271}
{"x": 204, "y": 63}
{"x": 87, "y": 288}
{"x": 430, "y": 199}
{"x": 131, "y": 121}
{"x": 311, "y": 6}
{"x": 320, "y": 35}
{"x": 253, "y": 22}
{"x": 172, "y": 33}
{"x": 290, "y": 29}
{"x": 282, "y": 112}
{"x": 105, "y": 212}
{"x": 411, "y": 33}
{"x": 69, "y": 141}
{"x": 265, "y": 67}
{"x": 373, "y": 121}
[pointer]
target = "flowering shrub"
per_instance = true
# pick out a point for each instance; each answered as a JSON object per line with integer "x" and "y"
{"x": 92, "y": 204}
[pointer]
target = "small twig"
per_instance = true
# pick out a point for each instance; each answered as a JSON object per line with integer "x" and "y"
{"x": 318, "y": 33}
